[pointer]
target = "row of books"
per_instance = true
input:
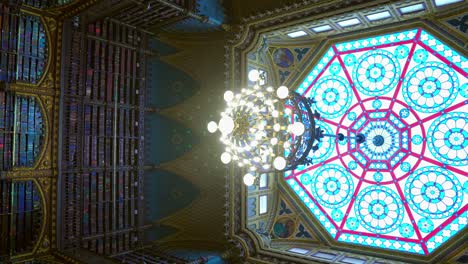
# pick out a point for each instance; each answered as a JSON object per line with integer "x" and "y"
{"x": 143, "y": 17}
{"x": 32, "y": 49}
{"x": 112, "y": 73}
{"x": 101, "y": 203}
{"x": 72, "y": 178}
{"x": 72, "y": 208}
{"x": 116, "y": 32}
{"x": 35, "y": 3}
{"x": 23, "y": 51}
{"x": 21, "y": 130}
{"x": 105, "y": 133}
{"x": 40, "y": 3}
{"x": 102, "y": 137}
{"x": 112, "y": 244}
{"x": 20, "y": 216}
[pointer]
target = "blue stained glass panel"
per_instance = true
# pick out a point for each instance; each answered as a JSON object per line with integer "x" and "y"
{"x": 405, "y": 187}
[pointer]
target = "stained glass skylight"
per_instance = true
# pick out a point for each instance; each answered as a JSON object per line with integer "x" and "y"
{"x": 406, "y": 187}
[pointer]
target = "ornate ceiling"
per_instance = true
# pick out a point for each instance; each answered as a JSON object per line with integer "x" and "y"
{"x": 364, "y": 82}
{"x": 403, "y": 188}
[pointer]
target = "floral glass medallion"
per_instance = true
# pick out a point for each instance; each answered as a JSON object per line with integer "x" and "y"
{"x": 405, "y": 187}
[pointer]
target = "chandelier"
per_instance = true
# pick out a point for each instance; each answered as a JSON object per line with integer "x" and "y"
{"x": 265, "y": 130}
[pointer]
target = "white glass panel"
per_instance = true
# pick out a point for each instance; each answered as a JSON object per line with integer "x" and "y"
{"x": 321, "y": 28}
{"x": 299, "y": 250}
{"x": 349, "y": 22}
{"x": 263, "y": 204}
{"x": 412, "y": 8}
{"x": 446, "y": 2}
{"x": 379, "y": 16}
{"x": 324, "y": 255}
{"x": 353, "y": 260}
{"x": 297, "y": 34}
{"x": 263, "y": 181}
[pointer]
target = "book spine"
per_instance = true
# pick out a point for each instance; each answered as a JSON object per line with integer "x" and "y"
{"x": 34, "y": 54}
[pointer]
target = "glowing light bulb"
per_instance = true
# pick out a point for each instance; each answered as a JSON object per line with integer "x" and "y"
{"x": 228, "y": 96}
{"x": 274, "y": 141}
{"x": 254, "y": 75}
{"x": 226, "y": 158}
{"x": 212, "y": 127}
{"x": 279, "y": 163}
{"x": 226, "y": 125}
{"x": 298, "y": 128}
{"x": 282, "y": 92}
{"x": 276, "y": 127}
{"x": 249, "y": 179}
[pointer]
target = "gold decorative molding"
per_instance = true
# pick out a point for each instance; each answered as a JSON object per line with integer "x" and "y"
{"x": 44, "y": 170}
{"x": 26, "y": 173}
{"x": 44, "y": 196}
{"x": 71, "y": 9}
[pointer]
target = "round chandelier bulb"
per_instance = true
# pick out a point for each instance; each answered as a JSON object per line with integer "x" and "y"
{"x": 298, "y": 129}
{"x": 258, "y": 136}
{"x": 226, "y": 125}
{"x": 275, "y": 113}
{"x": 226, "y": 158}
{"x": 274, "y": 141}
{"x": 212, "y": 126}
{"x": 286, "y": 145}
{"x": 279, "y": 163}
{"x": 228, "y": 96}
{"x": 254, "y": 75}
{"x": 282, "y": 92}
{"x": 249, "y": 179}
{"x": 276, "y": 127}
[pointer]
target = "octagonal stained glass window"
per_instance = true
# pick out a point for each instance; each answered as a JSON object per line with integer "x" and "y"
{"x": 405, "y": 187}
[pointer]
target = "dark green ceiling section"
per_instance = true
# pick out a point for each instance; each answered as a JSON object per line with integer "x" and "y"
{"x": 161, "y": 48}
{"x": 191, "y": 256}
{"x": 166, "y": 194}
{"x": 166, "y": 139}
{"x": 167, "y": 84}
{"x": 159, "y": 232}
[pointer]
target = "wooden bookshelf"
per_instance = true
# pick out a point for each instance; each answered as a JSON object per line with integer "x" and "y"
{"x": 102, "y": 136}
{"x": 20, "y": 217}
